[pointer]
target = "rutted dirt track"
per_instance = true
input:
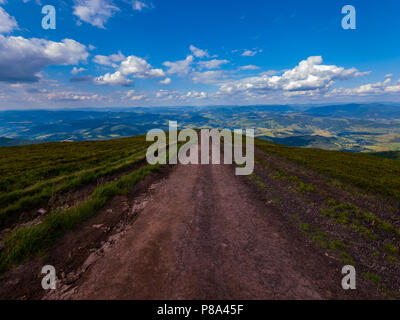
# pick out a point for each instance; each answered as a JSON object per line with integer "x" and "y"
{"x": 188, "y": 232}
{"x": 204, "y": 235}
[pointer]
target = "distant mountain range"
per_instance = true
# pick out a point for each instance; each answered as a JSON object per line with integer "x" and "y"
{"x": 353, "y": 127}
{"x": 358, "y": 111}
{"x": 7, "y": 142}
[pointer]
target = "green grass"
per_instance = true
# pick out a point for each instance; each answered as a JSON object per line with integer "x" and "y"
{"x": 26, "y": 242}
{"x": 47, "y": 169}
{"x": 283, "y": 175}
{"x": 25, "y": 166}
{"x": 394, "y": 155}
{"x": 374, "y": 278}
{"x": 256, "y": 179}
{"x": 304, "y": 227}
{"x": 390, "y": 248}
{"x": 336, "y": 245}
{"x": 347, "y": 213}
{"x": 322, "y": 240}
{"x": 31, "y": 175}
{"x": 341, "y": 212}
{"x": 370, "y": 173}
{"x": 346, "y": 258}
{"x": 20, "y": 200}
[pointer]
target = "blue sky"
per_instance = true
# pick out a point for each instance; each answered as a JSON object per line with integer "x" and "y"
{"x": 107, "y": 53}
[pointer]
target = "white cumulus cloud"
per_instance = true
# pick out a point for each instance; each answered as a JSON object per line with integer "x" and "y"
{"x": 7, "y": 22}
{"x": 207, "y": 77}
{"x": 139, "y": 68}
{"x": 110, "y": 60}
{"x": 132, "y": 66}
{"x": 249, "y": 67}
{"x": 113, "y": 79}
{"x": 181, "y": 67}
{"x": 76, "y": 70}
{"x": 212, "y": 64}
{"x": 309, "y": 74}
{"x": 139, "y": 5}
{"x": 196, "y": 94}
{"x": 251, "y": 53}
{"x": 198, "y": 53}
{"x": 376, "y": 88}
{"x": 22, "y": 59}
{"x": 95, "y": 12}
{"x": 166, "y": 81}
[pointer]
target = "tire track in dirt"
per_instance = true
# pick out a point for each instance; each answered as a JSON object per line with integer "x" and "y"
{"x": 204, "y": 235}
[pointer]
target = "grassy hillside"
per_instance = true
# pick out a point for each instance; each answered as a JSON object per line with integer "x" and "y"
{"x": 22, "y": 167}
{"x": 316, "y": 141}
{"x": 370, "y": 173}
{"x": 394, "y": 155}
{"x": 31, "y": 176}
{"x": 345, "y": 204}
{"x": 7, "y": 142}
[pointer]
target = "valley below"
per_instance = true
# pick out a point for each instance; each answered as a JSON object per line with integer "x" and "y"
{"x": 352, "y": 127}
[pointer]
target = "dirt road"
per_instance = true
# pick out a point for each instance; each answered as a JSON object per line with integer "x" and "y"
{"x": 204, "y": 235}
